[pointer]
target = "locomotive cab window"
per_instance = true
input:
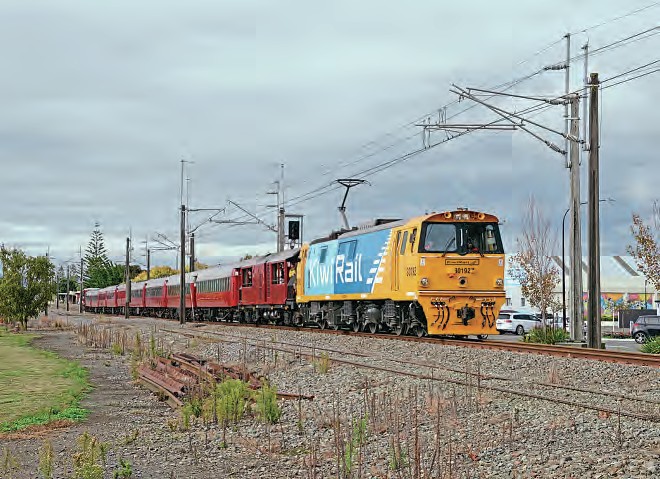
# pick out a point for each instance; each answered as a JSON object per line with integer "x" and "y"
{"x": 247, "y": 277}
{"x": 402, "y": 250}
{"x": 461, "y": 238}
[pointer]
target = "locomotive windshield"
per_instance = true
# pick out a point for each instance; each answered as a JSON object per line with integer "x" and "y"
{"x": 461, "y": 238}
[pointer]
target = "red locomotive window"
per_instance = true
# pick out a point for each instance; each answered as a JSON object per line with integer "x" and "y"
{"x": 277, "y": 273}
{"x": 247, "y": 277}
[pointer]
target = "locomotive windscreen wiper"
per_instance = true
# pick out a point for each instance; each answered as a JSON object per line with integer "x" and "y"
{"x": 451, "y": 240}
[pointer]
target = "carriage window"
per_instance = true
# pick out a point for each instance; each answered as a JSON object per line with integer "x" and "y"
{"x": 247, "y": 277}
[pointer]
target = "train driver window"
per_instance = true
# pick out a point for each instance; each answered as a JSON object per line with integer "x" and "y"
{"x": 247, "y": 277}
{"x": 413, "y": 237}
{"x": 403, "y": 243}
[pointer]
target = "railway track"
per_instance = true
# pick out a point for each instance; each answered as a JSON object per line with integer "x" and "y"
{"x": 637, "y": 359}
{"x": 648, "y": 410}
{"x": 576, "y": 352}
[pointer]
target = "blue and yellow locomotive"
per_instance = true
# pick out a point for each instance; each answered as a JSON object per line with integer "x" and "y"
{"x": 439, "y": 274}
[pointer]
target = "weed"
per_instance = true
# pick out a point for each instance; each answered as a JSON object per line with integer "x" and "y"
{"x": 46, "y": 460}
{"x": 116, "y": 349}
{"x": 231, "y": 395}
{"x": 9, "y": 463}
{"x": 134, "y": 369}
{"x": 152, "y": 346}
{"x": 322, "y": 365}
{"x": 398, "y": 458}
{"x": 132, "y": 437}
{"x": 89, "y": 460}
{"x": 652, "y": 346}
{"x": 266, "y": 401}
{"x": 124, "y": 471}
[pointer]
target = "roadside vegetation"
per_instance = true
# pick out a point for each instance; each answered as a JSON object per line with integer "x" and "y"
{"x": 546, "y": 335}
{"x": 37, "y": 387}
{"x": 652, "y": 346}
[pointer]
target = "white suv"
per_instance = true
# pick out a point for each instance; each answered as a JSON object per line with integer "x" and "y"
{"x": 517, "y": 322}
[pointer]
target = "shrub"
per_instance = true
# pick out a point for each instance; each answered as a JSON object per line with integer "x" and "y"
{"x": 267, "y": 407}
{"x": 652, "y": 346}
{"x": 546, "y": 335}
{"x": 124, "y": 471}
{"x": 230, "y": 397}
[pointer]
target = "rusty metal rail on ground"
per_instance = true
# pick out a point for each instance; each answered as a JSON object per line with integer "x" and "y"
{"x": 178, "y": 376}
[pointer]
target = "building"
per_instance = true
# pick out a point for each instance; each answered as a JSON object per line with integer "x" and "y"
{"x": 621, "y": 285}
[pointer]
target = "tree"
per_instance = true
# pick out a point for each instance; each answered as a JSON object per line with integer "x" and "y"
{"x": 532, "y": 265}
{"x": 646, "y": 251}
{"x": 100, "y": 272}
{"x": 26, "y": 286}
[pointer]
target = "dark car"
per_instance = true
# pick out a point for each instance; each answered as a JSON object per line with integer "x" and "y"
{"x": 645, "y": 327}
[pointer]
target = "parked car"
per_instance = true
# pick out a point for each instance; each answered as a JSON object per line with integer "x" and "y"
{"x": 517, "y": 322}
{"x": 645, "y": 327}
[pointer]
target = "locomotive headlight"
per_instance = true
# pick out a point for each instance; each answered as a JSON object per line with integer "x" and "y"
{"x": 499, "y": 282}
{"x": 424, "y": 282}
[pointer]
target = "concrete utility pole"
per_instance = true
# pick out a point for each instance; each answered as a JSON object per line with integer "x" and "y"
{"x": 192, "y": 252}
{"x": 148, "y": 263}
{"x": 593, "y": 325}
{"x": 127, "y": 276}
{"x": 182, "y": 276}
{"x": 57, "y": 288}
{"x": 48, "y": 258}
{"x": 576, "y": 305}
{"x": 67, "y": 287}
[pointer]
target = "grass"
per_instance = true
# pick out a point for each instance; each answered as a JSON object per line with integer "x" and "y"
{"x": 37, "y": 387}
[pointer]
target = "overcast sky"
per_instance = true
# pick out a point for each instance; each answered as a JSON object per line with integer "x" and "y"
{"x": 99, "y": 102}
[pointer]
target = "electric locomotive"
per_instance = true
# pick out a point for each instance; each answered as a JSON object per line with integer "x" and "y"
{"x": 438, "y": 274}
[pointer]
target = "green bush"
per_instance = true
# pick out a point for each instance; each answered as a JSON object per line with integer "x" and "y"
{"x": 227, "y": 401}
{"x": 652, "y": 346}
{"x": 546, "y": 335}
{"x": 266, "y": 401}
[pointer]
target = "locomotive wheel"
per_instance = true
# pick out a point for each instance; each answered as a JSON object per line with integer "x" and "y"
{"x": 401, "y": 329}
{"x": 334, "y": 326}
{"x": 419, "y": 331}
{"x": 372, "y": 328}
{"x": 322, "y": 324}
{"x": 355, "y": 326}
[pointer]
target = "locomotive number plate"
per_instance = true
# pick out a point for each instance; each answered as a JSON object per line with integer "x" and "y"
{"x": 464, "y": 270}
{"x": 462, "y": 262}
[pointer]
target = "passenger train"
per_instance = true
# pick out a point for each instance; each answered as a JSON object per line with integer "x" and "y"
{"x": 437, "y": 274}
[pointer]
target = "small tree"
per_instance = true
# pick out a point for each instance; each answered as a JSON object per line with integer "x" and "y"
{"x": 646, "y": 251}
{"x": 26, "y": 286}
{"x": 532, "y": 265}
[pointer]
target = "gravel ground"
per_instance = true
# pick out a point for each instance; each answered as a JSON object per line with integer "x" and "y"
{"x": 365, "y": 422}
